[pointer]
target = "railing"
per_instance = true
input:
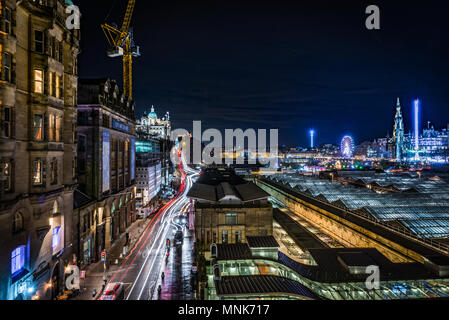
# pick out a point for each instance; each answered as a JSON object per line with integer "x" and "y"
{"x": 401, "y": 230}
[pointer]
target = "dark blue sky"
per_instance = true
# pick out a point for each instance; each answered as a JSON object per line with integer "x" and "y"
{"x": 291, "y": 65}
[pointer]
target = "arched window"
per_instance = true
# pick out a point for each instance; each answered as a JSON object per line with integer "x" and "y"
{"x": 17, "y": 224}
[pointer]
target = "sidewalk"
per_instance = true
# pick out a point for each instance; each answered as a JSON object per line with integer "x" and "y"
{"x": 94, "y": 272}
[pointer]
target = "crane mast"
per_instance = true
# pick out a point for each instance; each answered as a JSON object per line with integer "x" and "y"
{"x": 121, "y": 42}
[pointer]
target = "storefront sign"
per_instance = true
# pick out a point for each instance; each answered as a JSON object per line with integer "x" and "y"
{"x": 117, "y": 125}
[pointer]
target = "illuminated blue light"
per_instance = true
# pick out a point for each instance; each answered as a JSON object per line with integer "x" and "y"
{"x": 416, "y": 125}
{"x": 312, "y": 135}
{"x": 55, "y": 238}
{"x": 17, "y": 260}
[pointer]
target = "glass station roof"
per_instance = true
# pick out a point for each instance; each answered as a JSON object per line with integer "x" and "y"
{"x": 421, "y": 205}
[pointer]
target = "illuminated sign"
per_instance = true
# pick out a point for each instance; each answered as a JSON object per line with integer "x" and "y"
{"x": 133, "y": 158}
{"x": 106, "y": 152}
{"x": 117, "y": 125}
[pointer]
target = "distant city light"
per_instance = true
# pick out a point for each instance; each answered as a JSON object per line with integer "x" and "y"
{"x": 416, "y": 125}
{"x": 312, "y": 135}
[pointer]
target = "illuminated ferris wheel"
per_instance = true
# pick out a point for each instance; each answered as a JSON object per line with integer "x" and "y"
{"x": 347, "y": 147}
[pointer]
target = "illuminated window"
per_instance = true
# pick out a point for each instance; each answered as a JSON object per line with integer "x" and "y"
{"x": 51, "y": 126}
{"x": 238, "y": 236}
{"x": 39, "y": 41}
{"x": 38, "y": 81}
{"x": 58, "y": 87}
{"x": 38, "y": 127}
{"x": 224, "y": 236}
{"x": 7, "y": 176}
{"x": 17, "y": 260}
{"x": 6, "y": 67}
{"x": 37, "y": 172}
{"x": 58, "y": 125}
{"x": 55, "y": 238}
{"x": 52, "y": 85}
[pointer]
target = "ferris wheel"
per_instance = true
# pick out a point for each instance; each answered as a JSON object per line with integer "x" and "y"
{"x": 347, "y": 147}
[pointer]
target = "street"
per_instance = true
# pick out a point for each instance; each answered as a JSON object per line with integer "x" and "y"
{"x": 141, "y": 270}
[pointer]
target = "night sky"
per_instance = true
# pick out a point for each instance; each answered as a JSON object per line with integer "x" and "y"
{"x": 289, "y": 65}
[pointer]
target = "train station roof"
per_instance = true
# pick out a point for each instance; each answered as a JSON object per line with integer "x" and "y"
{"x": 421, "y": 205}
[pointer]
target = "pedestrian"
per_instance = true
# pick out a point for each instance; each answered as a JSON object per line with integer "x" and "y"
{"x": 163, "y": 276}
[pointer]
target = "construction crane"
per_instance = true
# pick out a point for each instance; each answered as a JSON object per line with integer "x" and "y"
{"x": 121, "y": 43}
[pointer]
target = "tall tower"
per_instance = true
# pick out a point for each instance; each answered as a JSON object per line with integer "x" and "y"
{"x": 398, "y": 133}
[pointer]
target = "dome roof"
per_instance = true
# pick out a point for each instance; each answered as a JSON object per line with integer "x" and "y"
{"x": 152, "y": 114}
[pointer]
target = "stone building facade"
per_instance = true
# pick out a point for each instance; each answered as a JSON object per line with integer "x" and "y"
{"x": 38, "y": 88}
{"x": 105, "y": 166}
{"x": 228, "y": 209}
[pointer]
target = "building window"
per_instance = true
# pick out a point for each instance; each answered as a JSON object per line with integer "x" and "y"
{"x": 231, "y": 218}
{"x": 51, "y": 127}
{"x": 58, "y": 125}
{"x": 55, "y": 44}
{"x": 54, "y": 171}
{"x": 51, "y": 47}
{"x": 51, "y": 84}
{"x": 238, "y": 236}
{"x": 17, "y": 224}
{"x": 7, "y": 176}
{"x": 38, "y": 81}
{"x": 37, "y": 172}
{"x": 39, "y": 41}
{"x": 214, "y": 236}
{"x": 61, "y": 51}
{"x": 224, "y": 236}
{"x": 7, "y": 20}
{"x": 38, "y": 127}
{"x": 17, "y": 260}
{"x": 55, "y": 238}
{"x": 6, "y": 67}
{"x": 7, "y": 122}
{"x": 58, "y": 87}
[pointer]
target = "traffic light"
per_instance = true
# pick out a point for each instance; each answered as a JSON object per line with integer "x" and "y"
{"x": 168, "y": 243}
{"x": 103, "y": 256}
